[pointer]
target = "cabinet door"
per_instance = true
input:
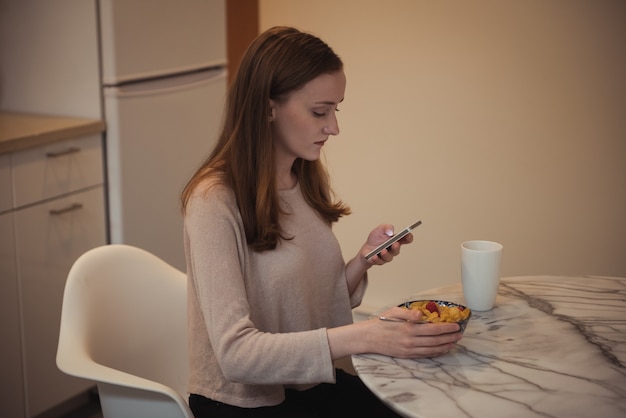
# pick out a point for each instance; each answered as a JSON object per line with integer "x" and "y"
{"x": 11, "y": 395}
{"x": 50, "y": 237}
{"x": 63, "y": 167}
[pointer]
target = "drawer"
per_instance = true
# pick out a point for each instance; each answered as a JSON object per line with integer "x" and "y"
{"x": 6, "y": 191}
{"x": 50, "y": 237}
{"x": 56, "y": 169}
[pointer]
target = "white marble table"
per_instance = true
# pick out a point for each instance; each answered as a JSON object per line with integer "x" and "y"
{"x": 552, "y": 347}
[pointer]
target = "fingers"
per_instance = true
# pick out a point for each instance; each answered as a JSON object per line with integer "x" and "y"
{"x": 407, "y": 239}
{"x": 429, "y": 345}
{"x": 378, "y": 236}
{"x": 410, "y": 340}
{"x": 424, "y": 351}
{"x": 403, "y": 313}
{"x": 441, "y": 328}
{"x": 387, "y": 254}
{"x": 416, "y": 315}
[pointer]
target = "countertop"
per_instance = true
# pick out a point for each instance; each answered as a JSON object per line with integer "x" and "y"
{"x": 19, "y": 131}
{"x": 553, "y": 346}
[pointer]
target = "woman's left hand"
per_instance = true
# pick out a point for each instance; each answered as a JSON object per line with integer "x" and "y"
{"x": 379, "y": 235}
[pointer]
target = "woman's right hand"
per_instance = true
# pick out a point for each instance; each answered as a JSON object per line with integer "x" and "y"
{"x": 410, "y": 340}
{"x": 401, "y": 339}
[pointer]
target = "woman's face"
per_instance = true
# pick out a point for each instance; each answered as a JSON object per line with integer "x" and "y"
{"x": 302, "y": 123}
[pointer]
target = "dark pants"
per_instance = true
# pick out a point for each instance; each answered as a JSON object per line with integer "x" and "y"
{"x": 348, "y": 397}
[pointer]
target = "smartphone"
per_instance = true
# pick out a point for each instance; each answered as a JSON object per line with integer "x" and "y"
{"x": 393, "y": 239}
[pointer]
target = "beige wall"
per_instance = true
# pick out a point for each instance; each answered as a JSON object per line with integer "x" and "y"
{"x": 485, "y": 119}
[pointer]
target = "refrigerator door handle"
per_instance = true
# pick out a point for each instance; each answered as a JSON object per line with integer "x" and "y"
{"x": 166, "y": 85}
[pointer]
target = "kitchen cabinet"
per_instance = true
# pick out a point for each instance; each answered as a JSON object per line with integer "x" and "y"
{"x": 50, "y": 236}
{"x": 12, "y": 393}
{"x": 57, "y": 212}
{"x": 46, "y": 172}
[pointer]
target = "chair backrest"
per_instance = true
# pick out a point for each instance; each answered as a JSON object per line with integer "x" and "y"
{"x": 124, "y": 326}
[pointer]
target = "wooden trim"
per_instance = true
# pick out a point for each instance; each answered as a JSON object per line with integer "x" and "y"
{"x": 242, "y": 26}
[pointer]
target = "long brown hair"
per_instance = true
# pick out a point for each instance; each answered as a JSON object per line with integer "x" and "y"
{"x": 279, "y": 61}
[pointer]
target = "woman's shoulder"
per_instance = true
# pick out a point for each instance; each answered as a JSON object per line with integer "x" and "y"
{"x": 213, "y": 188}
{"x": 213, "y": 183}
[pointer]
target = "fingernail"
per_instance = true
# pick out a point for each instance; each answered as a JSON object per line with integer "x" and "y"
{"x": 389, "y": 233}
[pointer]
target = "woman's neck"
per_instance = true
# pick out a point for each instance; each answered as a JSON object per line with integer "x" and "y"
{"x": 286, "y": 181}
{"x": 285, "y": 177}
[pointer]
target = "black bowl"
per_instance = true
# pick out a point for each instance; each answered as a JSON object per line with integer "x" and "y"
{"x": 462, "y": 323}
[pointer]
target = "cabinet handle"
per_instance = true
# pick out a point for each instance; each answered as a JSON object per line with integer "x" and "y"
{"x": 56, "y": 154}
{"x": 73, "y": 206}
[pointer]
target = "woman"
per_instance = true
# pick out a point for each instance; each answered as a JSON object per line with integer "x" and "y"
{"x": 270, "y": 295}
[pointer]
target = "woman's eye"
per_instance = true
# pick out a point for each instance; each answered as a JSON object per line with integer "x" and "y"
{"x": 322, "y": 113}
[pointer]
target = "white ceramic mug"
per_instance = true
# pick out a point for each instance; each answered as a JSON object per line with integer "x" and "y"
{"x": 480, "y": 273}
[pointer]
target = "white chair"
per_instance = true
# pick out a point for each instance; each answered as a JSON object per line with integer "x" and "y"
{"x": 124, "y": 326}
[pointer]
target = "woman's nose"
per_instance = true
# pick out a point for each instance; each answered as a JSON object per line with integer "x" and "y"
{"x": 332, "y": 128}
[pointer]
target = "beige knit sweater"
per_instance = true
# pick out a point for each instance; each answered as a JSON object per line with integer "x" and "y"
{"x": 257, "y": 321}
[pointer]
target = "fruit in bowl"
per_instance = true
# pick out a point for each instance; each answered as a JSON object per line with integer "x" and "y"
{"x": 440, "y": 311}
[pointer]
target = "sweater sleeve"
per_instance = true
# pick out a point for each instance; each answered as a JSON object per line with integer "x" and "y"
{"x": 357, "y": 296}
{"x": 217, "y": 268}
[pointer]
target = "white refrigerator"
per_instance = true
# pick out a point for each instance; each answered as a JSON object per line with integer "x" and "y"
{"x": 164, "y": 84}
